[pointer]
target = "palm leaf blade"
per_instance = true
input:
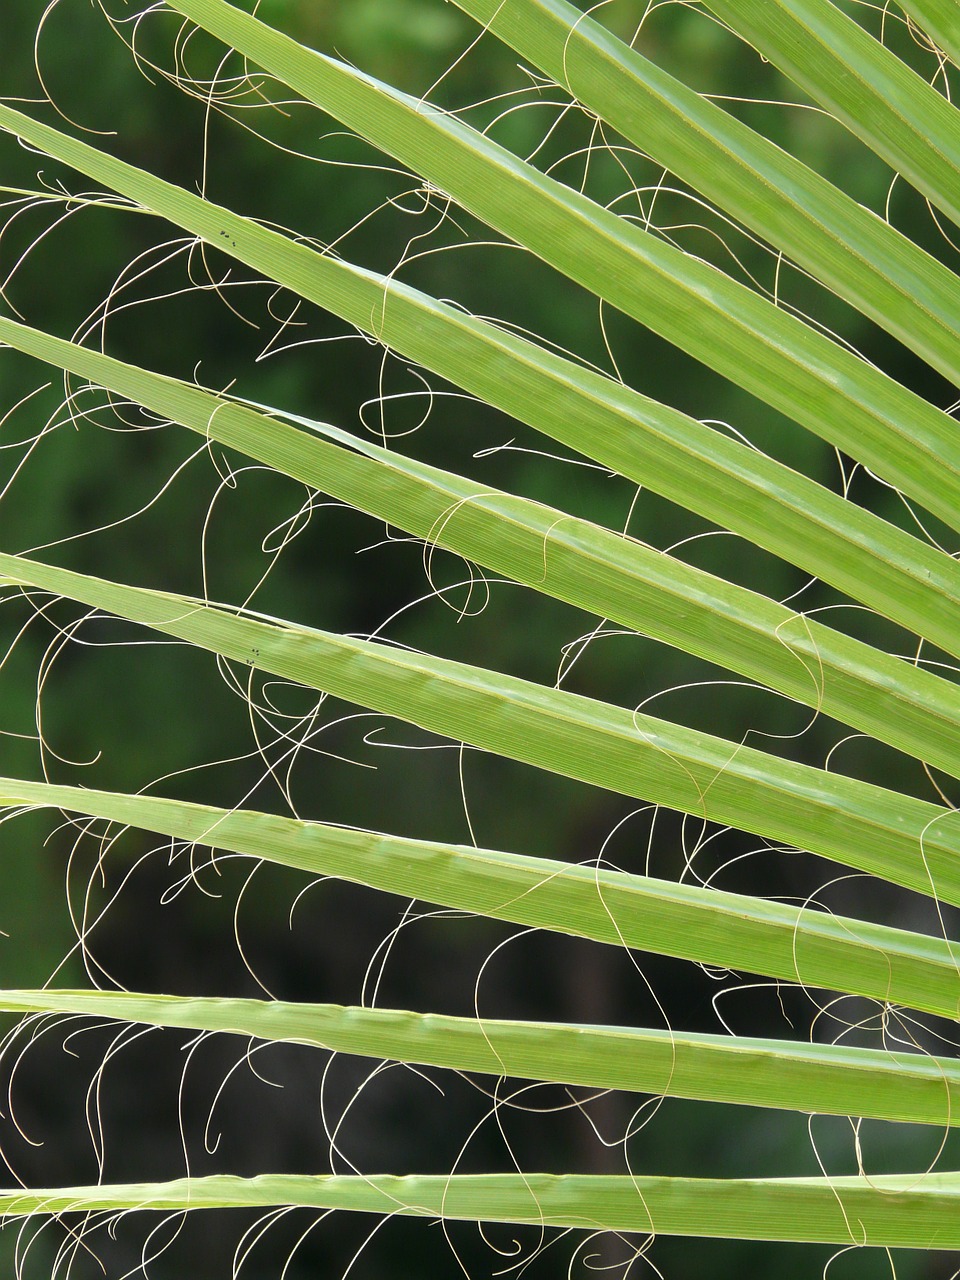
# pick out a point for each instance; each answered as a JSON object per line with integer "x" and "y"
{"x": 831, "y": 1079}
{"x": 869, "y": 559}
{"x": 749, "y": 340}
{"x": 855, "y": 253}
{"x": 572, "y": 559}
{"x": 863, "y": 84}
{"x": 707, "y": 925}
{"x": 895, "y": 1212}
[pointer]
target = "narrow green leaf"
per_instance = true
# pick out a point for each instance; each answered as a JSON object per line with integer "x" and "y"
{"x": 907, "y": 580}
{"x": 618, "y": 909}
{"x": 828, "y": 1079}
{"x": 571, "y": 559}
{"x": 855, "y": 253}
{"x": 920, "y": 1211}
{"x": 880, "y": 99}
{"x": 766, "y": 350}
{"x": 709, "y": 926}
{"x": 941, "y": 20}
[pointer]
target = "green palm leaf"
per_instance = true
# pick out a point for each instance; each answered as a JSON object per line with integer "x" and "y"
{"x": 907, "y": 578}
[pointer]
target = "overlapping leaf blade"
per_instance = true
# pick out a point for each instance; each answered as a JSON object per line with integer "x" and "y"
{"x": 746, "y": 338}
{"x": 858, "y": 80}
{"x": 847, "y": 247}
{"x": 940, "y": 21}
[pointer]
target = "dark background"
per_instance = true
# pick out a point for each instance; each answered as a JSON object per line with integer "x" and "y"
{"x": 120, "y": 711}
